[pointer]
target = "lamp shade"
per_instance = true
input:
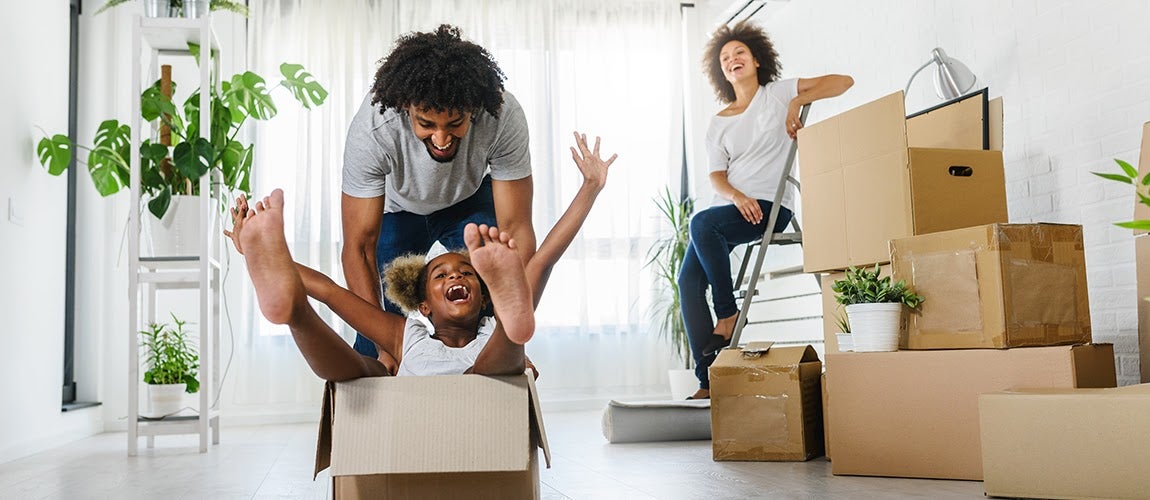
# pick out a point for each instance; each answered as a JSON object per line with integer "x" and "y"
{"x": 951, "y": 77}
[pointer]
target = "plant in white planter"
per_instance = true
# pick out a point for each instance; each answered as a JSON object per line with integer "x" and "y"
{"x": 874, "y": 307}
{"x": 172, "y": 364}
{"x": 667, "y": 256}
{"x": 843, "y": 337}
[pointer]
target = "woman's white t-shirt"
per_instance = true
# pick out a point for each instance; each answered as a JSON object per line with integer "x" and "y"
{"x": 752, "y": 146}
{"x": 424, "y": 355}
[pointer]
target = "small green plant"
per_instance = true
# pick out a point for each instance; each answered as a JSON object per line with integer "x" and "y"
{"x": 667, "y": 256}
{"x": 170, "y": 355}
{"x": 862, "y": 286}
{"x": 1129, "y": 175}
{"x": 842, "y": 322}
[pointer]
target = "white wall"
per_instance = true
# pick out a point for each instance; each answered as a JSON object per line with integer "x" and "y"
{"x": 34, "y": 93}
{"x": 1075, "y": 80}
{"x": 32, "y": 253}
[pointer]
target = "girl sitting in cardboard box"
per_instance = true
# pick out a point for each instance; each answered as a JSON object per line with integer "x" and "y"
{"x": 447, "y": 290}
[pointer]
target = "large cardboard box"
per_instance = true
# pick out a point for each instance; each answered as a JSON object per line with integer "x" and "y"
{"x": 766, "y": 403}
{"x": 915, "y": 413}
{"x": 1067, "y": 443}
{"x": 864, "y": 184}
{"x": 995, "y": 286}
{"x": 1142, "y": 257}
{"x": 458, "y": 436}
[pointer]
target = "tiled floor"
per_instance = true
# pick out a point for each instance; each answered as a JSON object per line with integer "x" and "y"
{"x": 277, "y": 462}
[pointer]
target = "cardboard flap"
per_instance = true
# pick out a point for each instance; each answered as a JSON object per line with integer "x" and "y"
{"x": 537, "y": 430}
{"x": 323, "y": 442}
{"x": 780, "y": 356}
{"x": 458, "y": 423}
{"x": 961, "y": 123}
{"x": 757, "y": 347}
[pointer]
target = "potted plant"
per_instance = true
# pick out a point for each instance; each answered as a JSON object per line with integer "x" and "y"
{"x": 1129, "y": 175}
{"x": 169, "y": 171}
{"x": 169, "y": 8}
{"x": 172, "y": 363}
{"x": 666, "y": 255}
{"x": 874, "y": 307}
{"x": 843, "y": 337}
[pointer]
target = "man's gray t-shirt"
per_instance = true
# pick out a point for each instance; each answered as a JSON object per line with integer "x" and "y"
{"x": 383, "y": 157}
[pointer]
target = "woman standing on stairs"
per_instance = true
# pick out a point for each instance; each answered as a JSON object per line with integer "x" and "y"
{"x": 747, "y": 143}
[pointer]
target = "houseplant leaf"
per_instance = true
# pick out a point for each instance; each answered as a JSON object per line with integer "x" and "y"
{"x": 193, "y": 159}
{"x": 107, "y": 162}
{"x": 302, "y": 85}
{"x": 1131, "y": 172}
{"x": 55, "y": 153}
{"x": 151, "y": 99}
{"x": 248, "y": 94}
{"x": 1114, "y": 177}
{"x": 159, "y": 204}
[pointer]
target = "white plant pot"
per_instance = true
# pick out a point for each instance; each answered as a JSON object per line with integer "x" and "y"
{"x": 157, "y": 8}
{"x": 845, "y": 341}
{"x": 178, "y": 234}
{"x": 165, "y": 399}
{"x": 874, "y": 327}
{"x": 683, "y": 382}
{"x": 195, "y": 9}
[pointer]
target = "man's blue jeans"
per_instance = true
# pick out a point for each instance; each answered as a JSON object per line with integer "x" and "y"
{"x": 402, "y": 233}
{"x": 714, "y": 233}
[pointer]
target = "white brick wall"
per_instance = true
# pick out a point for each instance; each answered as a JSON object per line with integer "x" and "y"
{"x": 1075, "y": 79}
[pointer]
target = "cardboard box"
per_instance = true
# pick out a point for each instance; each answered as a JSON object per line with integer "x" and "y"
{"x": 972, "y": 121}
{"x": 832, "y": 310}
{"x": 865, "y": 184}
{"x": 995, "y": 286}
{"x": 1067, "y": 443}
{"x": 766, "y": 404}
{"x": 915, "y": 413}
{"x": 1142, "y": 261}
{"x": 1142, "y": 212}
{"x": 458, "y": 436}
{"x": 826, "y": 418}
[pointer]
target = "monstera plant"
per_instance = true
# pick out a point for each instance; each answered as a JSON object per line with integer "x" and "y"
{"x": 176, "y": 169}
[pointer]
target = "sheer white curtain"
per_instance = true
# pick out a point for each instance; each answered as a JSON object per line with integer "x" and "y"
{"x": 605, "y": 67}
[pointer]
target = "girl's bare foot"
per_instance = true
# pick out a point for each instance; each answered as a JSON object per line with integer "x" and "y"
{"x": 494, "y": 257}
{"x": 277, "y": 282}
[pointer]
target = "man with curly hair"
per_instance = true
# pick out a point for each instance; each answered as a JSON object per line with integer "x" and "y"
{"x": 437, "y": 144}
{"x": 747, "y": 144}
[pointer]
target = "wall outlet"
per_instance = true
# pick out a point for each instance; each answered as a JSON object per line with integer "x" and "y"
{"x": 15, "y": 211}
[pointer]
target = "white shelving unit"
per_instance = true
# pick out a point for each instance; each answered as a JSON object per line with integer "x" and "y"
{"x": 151, "y": 38}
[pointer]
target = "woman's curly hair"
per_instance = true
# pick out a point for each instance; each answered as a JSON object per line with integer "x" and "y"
{"x": 761, "y": 48}
{"x": 439, "y": 71}
{"x": 405, "y": 280}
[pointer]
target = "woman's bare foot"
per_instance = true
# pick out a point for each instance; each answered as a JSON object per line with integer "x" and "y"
{"x": 494, "y": 257}
{"x": 700, "y": 394}
{"x": 277, "y": 282}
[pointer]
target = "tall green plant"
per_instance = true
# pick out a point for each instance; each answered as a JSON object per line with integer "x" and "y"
{"x": 1129, "y": 175}
{"x": 171, "y": 170}
{"x": 666, "y": 255}
{"x": 170, "y": 355}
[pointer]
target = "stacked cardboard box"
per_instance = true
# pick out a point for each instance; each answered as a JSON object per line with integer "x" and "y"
{"x": 766, "y": 403}
{"x": 1006, "y": 304}
{"x": 1142, "y": 258}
